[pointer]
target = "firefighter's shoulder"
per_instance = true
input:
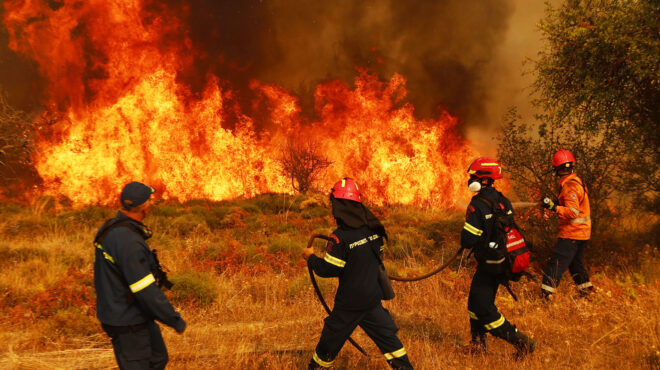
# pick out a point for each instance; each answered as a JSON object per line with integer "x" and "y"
{"x": 126, "y": 240}
{"x": 477, "y": 206}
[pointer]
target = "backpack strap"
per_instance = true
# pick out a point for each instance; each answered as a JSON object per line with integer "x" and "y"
{"x": 492, "y": 208}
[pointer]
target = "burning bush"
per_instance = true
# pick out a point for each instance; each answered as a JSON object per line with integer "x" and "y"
{"x": 16, "y": 147}
{"x": 302, "y": 163}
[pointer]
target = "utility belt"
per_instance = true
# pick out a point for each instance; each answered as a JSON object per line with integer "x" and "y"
{"x": 111, "y": 329}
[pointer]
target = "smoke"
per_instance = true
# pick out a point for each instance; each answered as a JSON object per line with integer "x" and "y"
{"x": 450, "y": 51}
{"x": 443, "y": 48}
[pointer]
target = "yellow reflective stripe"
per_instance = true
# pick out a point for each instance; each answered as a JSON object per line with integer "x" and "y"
{"x": 472, "y": 229}
{"x": 142, "y": 283}
{"x": 396, "y": 354}
{"x": 510, "y": 212}
{"x": 334, "y": 260}
{"x": 495, "y": 324}
{"x": 473, "y": 315}
{"x": 316, "y": 359}
{"x": 489, "y": 164}
{"x": 106, "y": 255}
{"x": 548, "y": 288}
{"x": 585, "y": 285}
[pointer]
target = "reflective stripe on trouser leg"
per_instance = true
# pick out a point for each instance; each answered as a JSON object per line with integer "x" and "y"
{"x": 395, "y": 354}
{"x": 323, "y": 363}
{"x": 548, "y": 288}
{"x": 585, "y": 285}
{"x": 495, "y": 324}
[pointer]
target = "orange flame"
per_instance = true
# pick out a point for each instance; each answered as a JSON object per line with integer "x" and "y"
{"x": 113, "y": 74}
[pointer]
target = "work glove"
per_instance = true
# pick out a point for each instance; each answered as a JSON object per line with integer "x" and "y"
{"x": 547, "y": 203}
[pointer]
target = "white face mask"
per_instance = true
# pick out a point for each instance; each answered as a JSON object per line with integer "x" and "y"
{"x": 474, "y": 186}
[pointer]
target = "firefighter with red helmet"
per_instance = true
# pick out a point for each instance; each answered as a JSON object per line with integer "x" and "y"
{"x": 484, "y": 316}
{"x": 353, "y": 255}
{"x": 574, "y": 224}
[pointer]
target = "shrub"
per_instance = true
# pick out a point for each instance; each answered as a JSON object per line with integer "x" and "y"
{"x": 71, "y": 321}
{"x": 314, "y": 212}
{"x": 404, "y": 242}
{"x": 284, "y": 244}
{"x": 188, "y": 223}
{"x": 193, "y": 287}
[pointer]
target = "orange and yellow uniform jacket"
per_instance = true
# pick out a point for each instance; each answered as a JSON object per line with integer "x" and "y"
{"x": 573, "y": 209}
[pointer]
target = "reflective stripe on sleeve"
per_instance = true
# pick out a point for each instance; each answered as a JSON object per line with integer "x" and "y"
{"x": 548, "y": 288}
{"x": 580, "y": 220}
{"x": 318, "y": 360}
{"x": 334, "y": 260}
{"x": 585, "y": 285}
{"x": 142, "y": 283}
{"x": 396, "y": 354}
{"x": 495, "y": 324}
{"x": 472, "y": 229}
{"x": 574, "y": 210}
{"x": 472, "y": 315}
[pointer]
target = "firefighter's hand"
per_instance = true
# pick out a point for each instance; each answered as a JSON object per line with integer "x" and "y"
{"x": 547, "y": 203}
{"x": 306, "y": 252}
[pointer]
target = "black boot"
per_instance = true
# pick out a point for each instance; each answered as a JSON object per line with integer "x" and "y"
{"x": 478, "y": 344}
{"x": 524, "y": 344}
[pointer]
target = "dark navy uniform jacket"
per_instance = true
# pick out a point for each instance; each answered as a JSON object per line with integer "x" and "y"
{"x": 351, "y": 256}
{"x": 478, "y": 218}
{"x": 137, "y": 298}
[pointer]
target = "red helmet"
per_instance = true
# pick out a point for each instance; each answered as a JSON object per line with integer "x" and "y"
{"x": 486, "y": 167}
{"x": 562, "y": 156}
{"x": 346, "y": 188}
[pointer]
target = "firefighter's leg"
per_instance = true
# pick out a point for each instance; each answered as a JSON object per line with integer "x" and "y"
{"x": 380, "y": 327}
{"x": 481, "y": 304}
{"x": 477, "y": 330}
{"x": 578, "y": 271}
{"x": 159, "y": 355}
{"x": 561, "y": 258}
{"x": 337, "y": 328}
{"x": 132, "y": 347}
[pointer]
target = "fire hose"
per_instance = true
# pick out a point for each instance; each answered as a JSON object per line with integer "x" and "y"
{"x": 320, "y": 295}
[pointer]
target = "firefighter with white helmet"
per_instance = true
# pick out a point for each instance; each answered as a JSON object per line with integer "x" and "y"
{"x": 572, "y": 209}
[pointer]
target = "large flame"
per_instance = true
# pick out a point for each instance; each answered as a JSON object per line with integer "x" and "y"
{"x": 113, "y": 69}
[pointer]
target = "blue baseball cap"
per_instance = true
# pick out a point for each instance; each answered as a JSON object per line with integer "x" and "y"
{"x": 135, "y": 194}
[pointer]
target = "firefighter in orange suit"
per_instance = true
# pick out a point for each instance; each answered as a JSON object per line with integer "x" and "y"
{"x": 574, "y": 223}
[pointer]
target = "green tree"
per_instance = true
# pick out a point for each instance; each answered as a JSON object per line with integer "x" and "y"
{"x": 600, "y": 72}
{"x": 597, "y": 86}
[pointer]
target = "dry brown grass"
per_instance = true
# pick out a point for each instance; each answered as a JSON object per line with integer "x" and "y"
{"x": 270, "y": 319}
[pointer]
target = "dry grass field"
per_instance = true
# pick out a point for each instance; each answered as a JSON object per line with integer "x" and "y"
{"x": 245, "y": 293}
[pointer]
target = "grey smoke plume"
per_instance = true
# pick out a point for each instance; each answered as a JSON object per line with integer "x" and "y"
{"x": 450, "y": 51}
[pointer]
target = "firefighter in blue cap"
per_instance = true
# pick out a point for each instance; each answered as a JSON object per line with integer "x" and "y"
{"x": 128, "y": 280}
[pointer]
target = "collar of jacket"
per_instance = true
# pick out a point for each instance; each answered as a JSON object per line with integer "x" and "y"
{"x": 144, "y": 229}
{"x": 563, "y": 180}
